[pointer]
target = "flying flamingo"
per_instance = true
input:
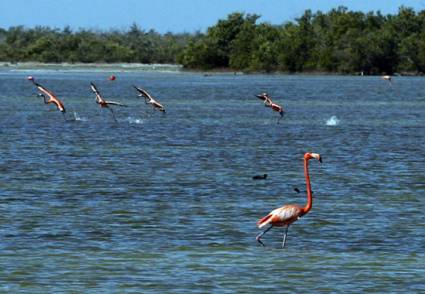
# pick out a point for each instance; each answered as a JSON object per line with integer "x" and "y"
{"x": 269, "y": 103}
{"x": 149, "y": 99}
{"x": 287, "y": 214}
{"x": 52, "y": 98}
{"x": 103, "y": 103}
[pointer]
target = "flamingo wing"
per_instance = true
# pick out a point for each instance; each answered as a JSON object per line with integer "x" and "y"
{"x": 281, "y": 216}
{"x": 52, "y": 97}
{"x": 143, "y": 92}
{"x": 99, "y": 98}
{"x": 115, "y": 103}
{"x": 45, "y": 91}
{"x": 287, "y": 213}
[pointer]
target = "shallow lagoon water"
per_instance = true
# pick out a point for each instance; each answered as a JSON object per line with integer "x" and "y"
{"x": 166, "y": 203}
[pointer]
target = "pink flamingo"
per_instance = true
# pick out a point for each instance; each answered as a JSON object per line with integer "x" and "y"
{"x": 150, "y": 100}
{"x": 52, "y": 98}
{"x": 269, "y": 103}
{"x": 102, "y": 102}
{"x": 287, "y": 214}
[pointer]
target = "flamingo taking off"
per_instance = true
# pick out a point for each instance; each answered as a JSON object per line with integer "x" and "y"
{"x": 103, "y": 103}
{"x": 52, "y": 98}
{"x": 269, "y": 103}
{"x": 149, "y": 99}
{"x": 287, "y": 214}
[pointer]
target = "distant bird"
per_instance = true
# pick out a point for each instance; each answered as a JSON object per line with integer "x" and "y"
{"x": 387, "y": 78}
{"x": 150, "y": 100}
{"x": 287, "y": 214}
{"x": 298, "y": 191}
{"x": 103, "y": 103}
{"x": 268, "y": 102}
{"x": 52, "y": 98}
{"x": 260, "y": 177}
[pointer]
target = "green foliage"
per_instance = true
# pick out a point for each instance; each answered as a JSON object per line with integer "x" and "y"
{"x": 336, "y": 41}
{"x": 52, "y": 45}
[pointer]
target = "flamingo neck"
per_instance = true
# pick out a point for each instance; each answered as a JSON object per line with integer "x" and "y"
{"x": 309, "y": 204}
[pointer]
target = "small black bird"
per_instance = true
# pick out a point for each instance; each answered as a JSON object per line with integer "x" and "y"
{"x": 298, "y": 191}
{"x": 263, "y": 177}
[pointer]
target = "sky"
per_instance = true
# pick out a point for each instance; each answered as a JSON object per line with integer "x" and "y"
{"x": 175, "y": 16}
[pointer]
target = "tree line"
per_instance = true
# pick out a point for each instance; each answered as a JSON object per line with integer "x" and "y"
{"x": 338, "y": 41}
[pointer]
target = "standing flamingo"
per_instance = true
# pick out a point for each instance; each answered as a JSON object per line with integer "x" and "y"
{"x": 287, "y": 214}
{"x": 52, "y": 98}
{"x": 102, "y": 102}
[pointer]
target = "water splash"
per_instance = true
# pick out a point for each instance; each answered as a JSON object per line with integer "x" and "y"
{"x": 79, "y": 118}
{"x": 133, "y": 120}
{"x": 333, "y": 121}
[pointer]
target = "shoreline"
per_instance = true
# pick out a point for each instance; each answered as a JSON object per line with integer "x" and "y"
{"x": 90, "y": 66}
{"x": 131, "y": 67}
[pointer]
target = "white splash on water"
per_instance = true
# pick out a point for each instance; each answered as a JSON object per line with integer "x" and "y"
{"x": 79, "y": 118}
{"x": 333, "y": 121}
{"x": 133, "y": 120}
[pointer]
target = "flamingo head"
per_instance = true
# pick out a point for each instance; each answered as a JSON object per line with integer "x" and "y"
{"x": 316, "y": 156}
{"x": 262, "y": 96}
{"x": 30, "y": 78}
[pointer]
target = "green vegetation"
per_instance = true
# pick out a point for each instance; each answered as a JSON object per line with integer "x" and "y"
{"x": 338, "y": 41}
{"x": 44, "y": 44}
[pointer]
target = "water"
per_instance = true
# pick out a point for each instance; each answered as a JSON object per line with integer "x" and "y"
{"x": 166, "y": 203}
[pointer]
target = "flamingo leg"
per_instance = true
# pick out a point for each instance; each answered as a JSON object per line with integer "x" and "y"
{"x": 113, "y": 114}
{"x": 284, "y": 236}
{"x": 279, "y": 118}
{"x": 64, "y": 117}
{"x": 258, "y": 238}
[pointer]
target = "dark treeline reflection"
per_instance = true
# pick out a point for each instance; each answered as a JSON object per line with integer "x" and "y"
{"x": 337, "y": 41}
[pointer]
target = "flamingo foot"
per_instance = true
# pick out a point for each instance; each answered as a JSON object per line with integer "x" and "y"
{"x": 258, "y": 238}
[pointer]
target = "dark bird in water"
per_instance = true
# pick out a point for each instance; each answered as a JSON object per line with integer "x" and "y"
{"x": 298, "y": 191}
{"x": 260, "y": 177}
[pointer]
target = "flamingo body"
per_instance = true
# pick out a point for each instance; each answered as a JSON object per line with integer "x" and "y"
{"x": 52, "y": 98}
{"x": 149, "y": 99}
{"x": 276, "y": 108}
{"x": 100, "y": 100}
{"x": 282, "y": 216}
{"x": 268, "y": 102}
